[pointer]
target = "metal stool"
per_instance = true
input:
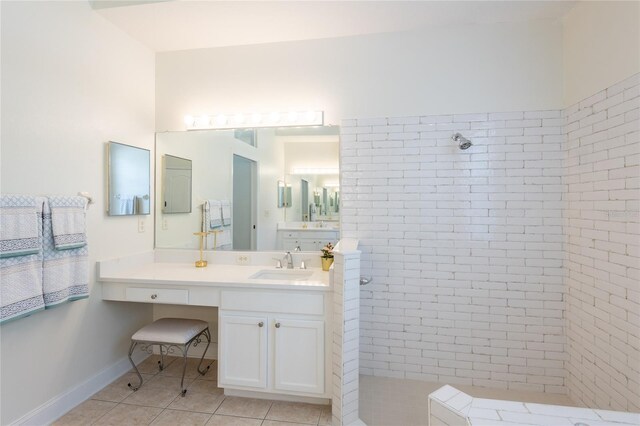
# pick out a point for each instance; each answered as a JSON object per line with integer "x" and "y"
{"x": 170, "y": 333}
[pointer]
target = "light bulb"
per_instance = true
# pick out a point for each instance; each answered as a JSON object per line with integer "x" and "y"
{"x": 292, "y": 116}
{"x": 189, "y": 120}
{"x": 221, "y": 119}
{"x": 256, "y": 118}
{"x": 238, "y": 118}
{"x": 311, "y": 116}
{"x": 274, "y": 117}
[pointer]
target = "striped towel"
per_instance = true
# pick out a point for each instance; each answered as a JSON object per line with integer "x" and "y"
{"x": 225, "y": 207}
{"x": 21, "y": 275}
{"x": 19, "y": 226}
{"x": 69, "y": 222}
{"x": 213, "y": 218}
{"x": 66, "y": 272}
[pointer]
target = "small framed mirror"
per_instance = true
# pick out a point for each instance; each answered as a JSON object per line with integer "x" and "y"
{"x": 284, "y": 194}
{"x": 129, "y": 184}
{"x": 176, "y": 184}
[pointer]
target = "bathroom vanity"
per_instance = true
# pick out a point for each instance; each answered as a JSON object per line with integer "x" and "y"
{"x": 307, "y": 236}
{"x": 290, "y": 334}
{"x": 274, "y": 325}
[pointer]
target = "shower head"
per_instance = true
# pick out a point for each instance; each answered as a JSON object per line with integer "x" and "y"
{"x": 463, "y": 143}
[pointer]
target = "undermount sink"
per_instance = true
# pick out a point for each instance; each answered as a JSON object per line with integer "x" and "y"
{"x": 284, "y": 274}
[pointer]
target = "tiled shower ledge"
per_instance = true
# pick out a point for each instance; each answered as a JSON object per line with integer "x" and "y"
{"x": 451, "y": 407}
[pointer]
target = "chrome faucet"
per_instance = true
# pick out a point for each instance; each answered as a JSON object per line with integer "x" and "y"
{"x": 289, "y": 260}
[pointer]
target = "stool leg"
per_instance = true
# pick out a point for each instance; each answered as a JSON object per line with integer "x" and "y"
{"x": 184, "y": 370}
{"x": 131, "y": 348}
{"x": 161, "y": 362}
{"x": 208, "y": 336}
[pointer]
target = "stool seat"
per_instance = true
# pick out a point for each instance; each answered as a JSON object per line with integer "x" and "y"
{"x": 177, "y": 331}
{"x": 170, "y": 333}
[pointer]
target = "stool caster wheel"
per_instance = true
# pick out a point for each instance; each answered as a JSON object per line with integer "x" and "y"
{"x": 160, "y": 366}
{"x": 132, "y": 388}
{"x": 182, "y": 394}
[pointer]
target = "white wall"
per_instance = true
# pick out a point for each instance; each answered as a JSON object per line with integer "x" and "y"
{"x": 601, "y": 46}
{"x": 70, "y": 82}
{"x": 455, "y": 69}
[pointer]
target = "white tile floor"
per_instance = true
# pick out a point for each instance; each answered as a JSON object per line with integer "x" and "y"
{"x": 383, "y": 402}
{"x": 158, "y": 402}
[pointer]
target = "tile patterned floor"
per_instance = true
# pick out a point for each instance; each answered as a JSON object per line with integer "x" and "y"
{"x": 383, "y": 402}
{"x": 158, "y": 402}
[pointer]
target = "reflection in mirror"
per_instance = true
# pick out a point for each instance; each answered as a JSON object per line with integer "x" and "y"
{"x": 284, "y": 194}
{"x": 281, "y": 159}
{"x": 128, "y": 181}
{"x": 176, "y": 185}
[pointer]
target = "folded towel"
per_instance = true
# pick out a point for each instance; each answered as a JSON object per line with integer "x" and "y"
{"x": 226, "y": 212}
{"x": 213, "y": 218}
{"x": 65, "y": 272}
{"x": 141, "y": 204}
{"x": 19, "y": 226}
{"x": 21, "y": 289}
{"x": 220, "y": 241}
{"x": 125, "y": 204}
{"x": 69, "y": 222}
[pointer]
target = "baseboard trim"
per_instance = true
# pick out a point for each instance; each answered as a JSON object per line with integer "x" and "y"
{"x": 59, "y": 405}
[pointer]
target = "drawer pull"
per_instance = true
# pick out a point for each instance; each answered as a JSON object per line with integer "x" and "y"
{"x": 277, "y": 325}
{"x": 261, "y": 324}
{"x": 154, "y": 296}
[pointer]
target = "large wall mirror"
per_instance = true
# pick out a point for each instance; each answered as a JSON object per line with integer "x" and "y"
{"x": 281, "y": 191}
{"x": 129, "y": 185}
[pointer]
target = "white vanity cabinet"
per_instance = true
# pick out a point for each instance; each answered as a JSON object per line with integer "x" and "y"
{"x": 298, "y": 355}
{"x": 281, "y": 351}
{"x": 243, "y": 357}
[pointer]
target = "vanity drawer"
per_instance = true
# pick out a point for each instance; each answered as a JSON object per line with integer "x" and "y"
{"x": 155, "y": 295}
{"x": 329, "y": 235}
{"x": 282, "y": 302}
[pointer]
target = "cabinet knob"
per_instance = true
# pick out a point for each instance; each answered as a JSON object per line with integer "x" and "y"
{"x": 261, "y": 324}
{"x": 277, "y": 325}
{"x": 154, "y": 296}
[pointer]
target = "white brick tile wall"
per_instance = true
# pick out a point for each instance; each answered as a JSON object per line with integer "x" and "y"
{"x": 603, "y": 245}
{"x": 345, "y": 360}
{"x": 513, "y": 264}
{"x": 465, "y": 247}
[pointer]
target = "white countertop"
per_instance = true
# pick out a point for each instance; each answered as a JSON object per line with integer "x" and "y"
{"x": 310, "y": 228}
{"x": 214, "y": 275}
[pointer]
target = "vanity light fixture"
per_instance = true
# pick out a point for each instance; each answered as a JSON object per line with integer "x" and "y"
{"x": 269, "y": 119}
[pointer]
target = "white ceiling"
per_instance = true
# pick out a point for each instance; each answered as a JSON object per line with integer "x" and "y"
{"x": 181, "y": 25}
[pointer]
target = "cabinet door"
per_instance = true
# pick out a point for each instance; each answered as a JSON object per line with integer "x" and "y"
{"x": 299, "y": 355}
{"x": 243, "y": 351}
